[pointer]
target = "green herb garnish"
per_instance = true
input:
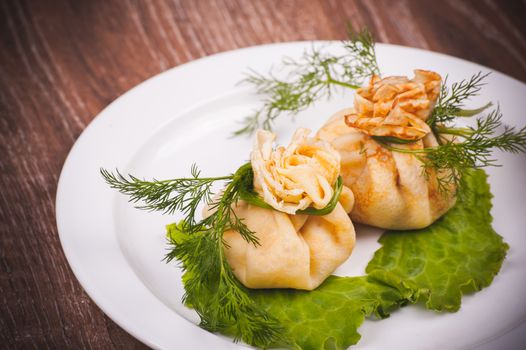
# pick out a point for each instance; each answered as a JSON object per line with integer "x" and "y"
{"x": 451, "y": 101}
{"x": 227, "y": 306}
{"x": 467, "y": 147}
{"x": 459, "y": 253}
{"x": 464, "y": 148}
{"x": 200, "y": 246}
{"x": 311, "y": 78}
{"x": 392, "y": 139}
{"x": 314, "y": 76}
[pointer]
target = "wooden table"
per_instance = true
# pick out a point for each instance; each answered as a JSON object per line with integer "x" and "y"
{"x": 62, "y": 62}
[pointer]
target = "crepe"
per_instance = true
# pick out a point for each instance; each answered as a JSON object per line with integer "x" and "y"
{"x": 391, "y": 189}
{"x": 295, "y": 250}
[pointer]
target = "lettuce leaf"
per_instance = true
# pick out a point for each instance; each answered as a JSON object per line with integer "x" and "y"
{"x": 329, "y": 317}
{"x": 459, "y": 253}
{"x": 326, "y": 318}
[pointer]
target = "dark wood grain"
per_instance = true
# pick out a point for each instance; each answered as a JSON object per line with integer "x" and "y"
{"x": 63, "y": 61}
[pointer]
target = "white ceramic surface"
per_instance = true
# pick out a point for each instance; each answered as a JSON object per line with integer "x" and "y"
{"x": 185, "y": 115}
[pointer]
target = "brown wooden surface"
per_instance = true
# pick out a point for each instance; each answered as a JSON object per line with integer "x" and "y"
{"x": 62, "y": 62}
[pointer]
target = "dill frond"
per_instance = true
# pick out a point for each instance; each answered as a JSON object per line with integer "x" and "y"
{"x": 313, "y": 77}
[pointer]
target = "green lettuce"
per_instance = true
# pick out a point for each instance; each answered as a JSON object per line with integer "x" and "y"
{"x": 326, "y": 318}
{"x": 459, "y": 253}
{"x": 329, "y": 317}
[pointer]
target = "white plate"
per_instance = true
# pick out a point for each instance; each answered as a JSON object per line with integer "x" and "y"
{"x": 185, "y": 115}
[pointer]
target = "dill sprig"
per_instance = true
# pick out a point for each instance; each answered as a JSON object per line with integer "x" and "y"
{"x": 450, "y": 102}
{"x": 167, "y": 196}
{"x": 462, "y": 148}
{"x": 211, "y": 287}
{"x": 316, "y": 74}
{"x": 470, "y": 147}
{"x": 312, "y": 77}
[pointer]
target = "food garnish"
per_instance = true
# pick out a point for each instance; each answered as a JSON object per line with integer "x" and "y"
{"x": 311, "y": 78}
{"x": 458, "y": 254}
{"x": 463, "y": 148}
{"x": 203, "y": 246}
{"x": 211, "y": 288}
{"x": 317, "y": 74}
